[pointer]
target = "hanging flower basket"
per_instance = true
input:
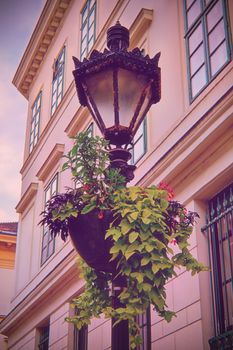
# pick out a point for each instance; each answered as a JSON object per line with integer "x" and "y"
{"x": 87, "y": 233}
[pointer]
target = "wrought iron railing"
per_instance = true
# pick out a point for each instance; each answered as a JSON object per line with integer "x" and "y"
{"x": 222, "y": 342}
{"x": 219, "y": 230}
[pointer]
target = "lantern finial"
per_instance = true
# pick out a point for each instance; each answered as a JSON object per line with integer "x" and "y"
{"x": 117, "y": 37}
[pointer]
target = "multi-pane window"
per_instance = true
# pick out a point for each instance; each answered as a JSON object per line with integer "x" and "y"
{"x": 80, "y": 338}
{"x": 48, "y": 241}
{"x": 207, "y": 41}
{"x": 35, "y": 122}
{"x": 139, "y": 143}
{"x": 44, "y": 338}
{"x": 144, "y": 322}
{"x": 58, "y": 80}
{"x": 219, "y": 229}
{"x": 88, "y": 23}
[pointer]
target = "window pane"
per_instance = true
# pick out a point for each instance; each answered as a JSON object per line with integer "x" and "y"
{"x": 195, "y": 39}
{"x": 88, "y": 28}
{"x": 214, "y": 15}
{"x": 91, "y": 31}
{"x": 84, "y": 31}
{"x": 197, "y": 60}
{"x": 188, "y": 3}
{"x": 218, "y": 59}
{"x": 92, "y": 17}
{"x": 138, "y": 149}
{"x": 84, "y": 13}
{"x": 198, "y": 81}
{"x": 139, "y": 132}
{"x": 193, "y": 12}
{"x": 216, "y": 36}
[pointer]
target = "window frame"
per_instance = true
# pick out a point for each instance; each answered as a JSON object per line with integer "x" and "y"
{"x": 80, "y": 338}
{"x": 219, "y": 216}
{"x": 144, "y": 322}
{"x": 35, "y": 118}
{"x": 201, "y": 20}
{"x": 134, "y": 142}
{"x": 58, "y": 70}
{"x": 45, "y": 246}
{"x": 85, "y": 41}
{"x": 44, "y": 337}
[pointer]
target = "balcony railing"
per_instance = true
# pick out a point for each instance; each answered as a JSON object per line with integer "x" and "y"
{"x": 222, "y": 342}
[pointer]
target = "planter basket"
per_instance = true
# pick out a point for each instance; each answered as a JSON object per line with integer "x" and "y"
{"x": 87, "y": 233}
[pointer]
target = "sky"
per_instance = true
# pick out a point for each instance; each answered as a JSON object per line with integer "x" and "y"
{"x": 17, "y": 21}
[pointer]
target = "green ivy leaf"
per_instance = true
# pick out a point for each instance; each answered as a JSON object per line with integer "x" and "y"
{"x": 88, "y": 208}
{"x": 145, "y": 261}
{"x": 133, "y": 236}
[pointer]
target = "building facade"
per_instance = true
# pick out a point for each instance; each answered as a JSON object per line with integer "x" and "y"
{"x": 186, "y": 141}
{"x": 8, "y": 235}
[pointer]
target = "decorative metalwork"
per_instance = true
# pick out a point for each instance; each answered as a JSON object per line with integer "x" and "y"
{"x": 219, "y": 229}
{"x": 113, "y": 64}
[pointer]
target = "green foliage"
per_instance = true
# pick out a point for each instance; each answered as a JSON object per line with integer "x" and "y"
{"x": 146, "y": 226}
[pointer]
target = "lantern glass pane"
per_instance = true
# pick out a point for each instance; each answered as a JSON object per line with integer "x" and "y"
{"x": 100, "y": 87}
{"x": 130, "y": 88}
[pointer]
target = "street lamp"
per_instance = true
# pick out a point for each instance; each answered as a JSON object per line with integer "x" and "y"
{"x": 118, "y": 87}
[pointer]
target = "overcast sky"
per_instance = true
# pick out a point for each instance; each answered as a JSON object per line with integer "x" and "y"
{"x": 17, "y": 21}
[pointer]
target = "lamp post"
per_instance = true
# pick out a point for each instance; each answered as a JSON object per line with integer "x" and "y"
{"x": 118, "y": 87}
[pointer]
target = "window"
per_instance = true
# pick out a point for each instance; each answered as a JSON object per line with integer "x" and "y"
{"x": 144, "y": 322}
{"x": 88, "y": 27}
{"x": 219, "y": 229}
{"x": 139, "y": 143}
{"x": 207, "y": 41}
{"x": 44, "y": 338}
{"x": 90, "y": 130}
{"x": 80, "y": 338}
{"x": 58, "y": 80}
{"x": 48, "y": 241}
{"x": 35, "y": 122}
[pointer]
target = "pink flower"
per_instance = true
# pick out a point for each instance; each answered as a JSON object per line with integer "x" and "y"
{"x": 164, "y": 186}
{"x": 86, "y": 188}
{"x": 101, "y": 215}
{"x": 174, "y": 241}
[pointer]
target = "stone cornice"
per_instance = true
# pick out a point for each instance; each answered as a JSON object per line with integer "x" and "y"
{"x": 50, "y": 162}
{"x": 27, "y": 197}
{"x": 45, "y": 30}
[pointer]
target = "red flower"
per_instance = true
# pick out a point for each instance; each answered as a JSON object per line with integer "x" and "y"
{"x": 86, "y": 188}
{"x": 164, "y": 186}
{"x": 101, "y": 215}
{"x": 174, "y": 241}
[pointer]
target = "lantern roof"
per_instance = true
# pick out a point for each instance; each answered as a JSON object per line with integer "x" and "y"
{"x": 133, "y": 61}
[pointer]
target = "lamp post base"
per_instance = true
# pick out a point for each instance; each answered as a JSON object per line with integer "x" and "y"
{"x": 120, "y": 332}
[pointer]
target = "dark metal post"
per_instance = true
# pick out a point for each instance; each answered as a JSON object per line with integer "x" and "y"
{"x": 120, "y": 332}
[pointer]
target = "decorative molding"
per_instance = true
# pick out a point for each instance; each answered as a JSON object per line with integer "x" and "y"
{"x": 51, "y": 161}
{"x": 139, "y": 26}
{"x": 27, "y": 197}
{"x": 45, "y": 30}
{"x": 81, "y": 116}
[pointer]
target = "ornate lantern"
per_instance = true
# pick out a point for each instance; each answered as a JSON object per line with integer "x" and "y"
{"x": 118, "y": 87}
